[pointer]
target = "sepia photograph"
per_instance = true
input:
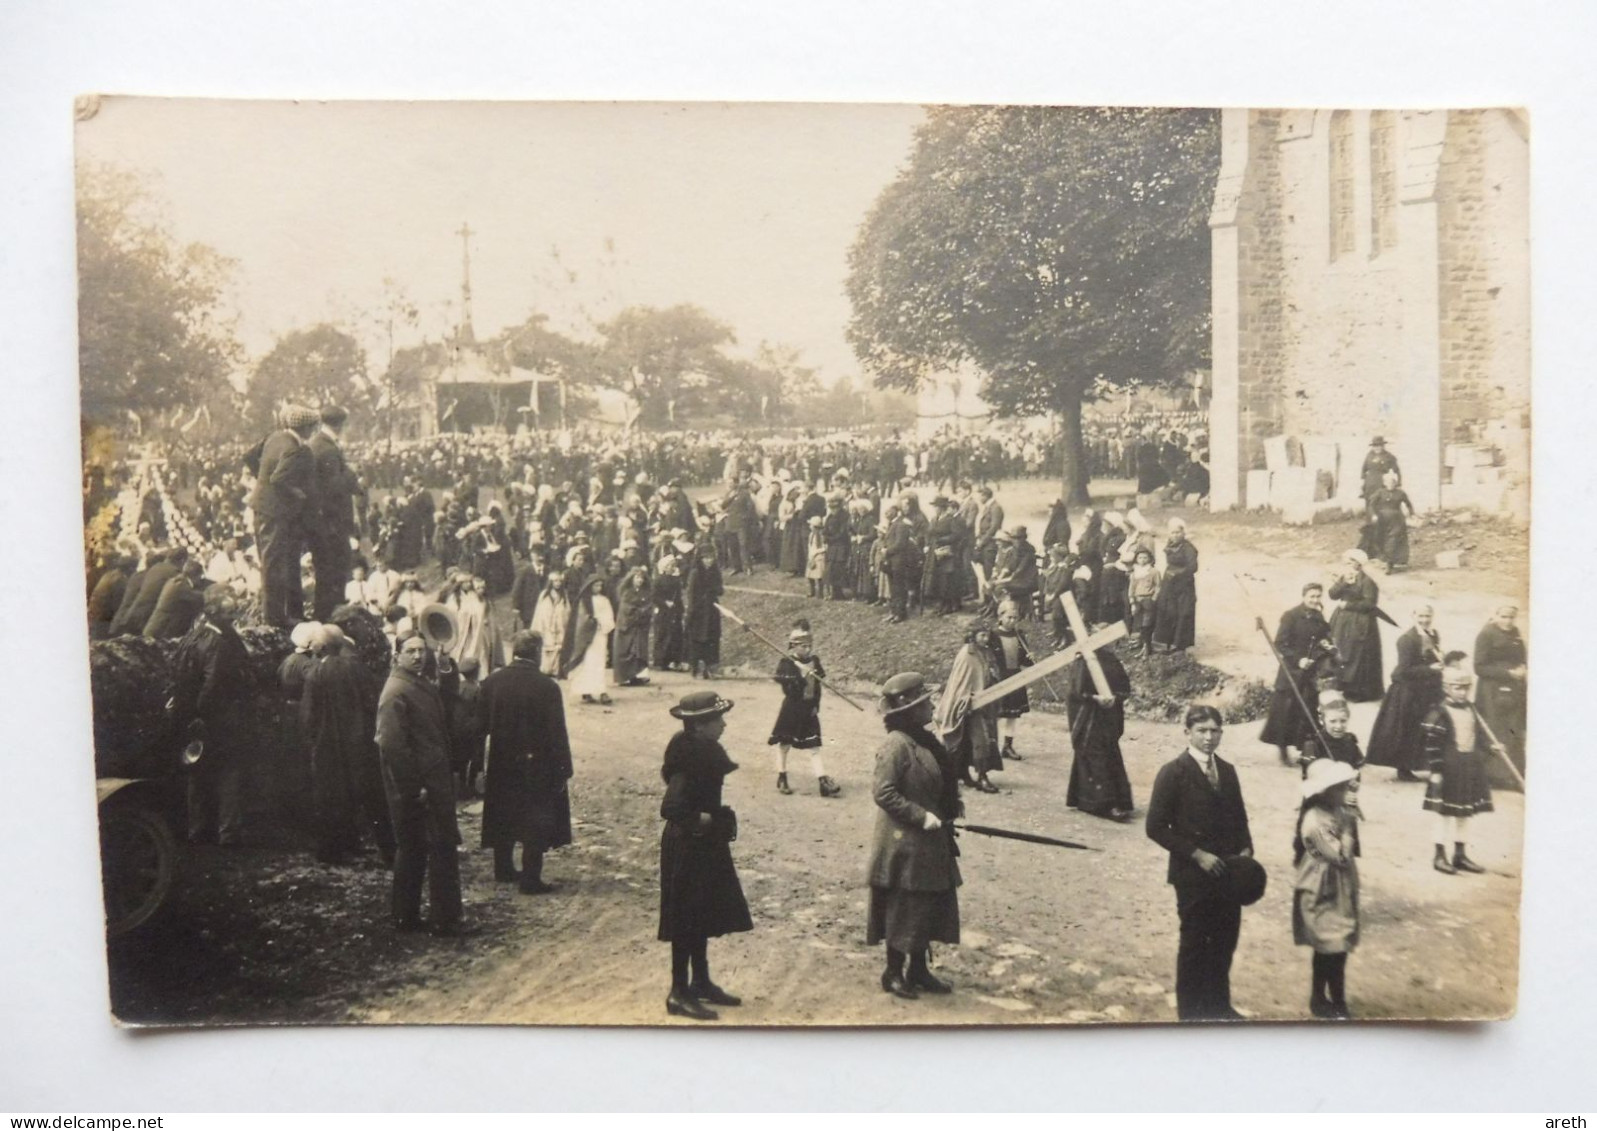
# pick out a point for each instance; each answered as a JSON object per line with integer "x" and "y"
{"x": 805, "y": 564}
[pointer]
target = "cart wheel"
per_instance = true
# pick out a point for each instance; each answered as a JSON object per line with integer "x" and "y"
{"x": 138, "y": 864}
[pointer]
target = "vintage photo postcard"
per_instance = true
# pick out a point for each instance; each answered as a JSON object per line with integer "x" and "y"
{"x": 771, "y": 565}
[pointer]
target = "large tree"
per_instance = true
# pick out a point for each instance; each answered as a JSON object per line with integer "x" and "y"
{"x": 1063, "y": 252}
{"x": 317, "y": 367}
{"x": 151, "y": 335}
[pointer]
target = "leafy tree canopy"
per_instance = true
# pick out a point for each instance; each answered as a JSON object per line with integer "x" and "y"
{"x": 317, "y": 367}
{"x": 1062, "y": 251}
{"x": 151, "y": 338}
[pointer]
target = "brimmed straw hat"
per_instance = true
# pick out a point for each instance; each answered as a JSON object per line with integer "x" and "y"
{"x": 701, "y": 705}
{"x": 1323, "y": 773}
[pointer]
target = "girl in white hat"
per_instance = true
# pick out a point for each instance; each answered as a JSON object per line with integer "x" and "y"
{"x": 1325, "y": 900}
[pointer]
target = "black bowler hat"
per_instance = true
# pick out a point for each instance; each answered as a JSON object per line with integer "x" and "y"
{"x": 1244, "y": 879}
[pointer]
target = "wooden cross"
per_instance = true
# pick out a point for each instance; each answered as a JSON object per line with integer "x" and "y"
{"x": 1084, "y": 645}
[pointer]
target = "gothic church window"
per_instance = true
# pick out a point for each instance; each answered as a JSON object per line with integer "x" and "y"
{"x": 1342, "y": 235}
{"x": 1383, "y": 182}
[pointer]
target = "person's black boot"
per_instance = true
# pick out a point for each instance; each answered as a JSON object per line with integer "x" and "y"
{"x": 681, "y": 1003}
{"x": 532, "y": 882}
{"x": 1462, "y": 863}
{"x": 921, "y": 977}
{"x": 893, "y": 977}
{"x": 781, "y": 784}
{"x": 1441, "y": 863}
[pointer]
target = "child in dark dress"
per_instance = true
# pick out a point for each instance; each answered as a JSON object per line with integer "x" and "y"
{"x": 798, "y": 723}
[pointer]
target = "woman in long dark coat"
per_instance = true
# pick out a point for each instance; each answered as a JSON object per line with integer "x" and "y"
{"x": 631, "y": 639}
{"x": 861, "y": 554}
{"x": 701, "y": 621}
{"x": 666, "y": 652}
{"x": 1304, "y": 642}
{"x": 1386, "y": 507}
{"x": 913, "y": 874}
{"x": 1500, "y": 667}
{"x": 700, "y": 896}
{"x": 1396, "y": 739}
{"x": 971, "y": 736}
{"x": 525, "y": 800}
{"x": 1175, "y": 616}
{"x": 1098, "y": 782}
{"x": 795, "y": 532}
{"x": 1356, "y": 632}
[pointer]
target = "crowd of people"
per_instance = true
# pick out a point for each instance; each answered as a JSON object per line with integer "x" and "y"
{"x": 619, "y": 577}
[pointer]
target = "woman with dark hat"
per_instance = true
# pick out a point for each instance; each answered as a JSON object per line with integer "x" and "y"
{"x": 913, "y": 875}
{"x": 700, "y": 896}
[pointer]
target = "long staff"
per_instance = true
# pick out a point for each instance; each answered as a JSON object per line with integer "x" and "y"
{"x": 780, "y": 651}
{"x": 1500, "y": 750}
{"x": 1291, "y": 676}
{"x": 1030, "y": 838}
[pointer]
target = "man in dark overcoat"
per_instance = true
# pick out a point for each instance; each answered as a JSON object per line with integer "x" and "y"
{"x": 212, "y": 686}
{"x": 837, "y": 531}
{"x": 284, "y": 493}
{"x": 336, "y": 487}
{"x": 1196, "y": 814}
{"x": 522, "y": 717}
{"x": 413, "y": 740}
{"x": 337, "y": 709}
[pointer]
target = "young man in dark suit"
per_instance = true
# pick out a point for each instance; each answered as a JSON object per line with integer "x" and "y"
{"x": 333, "y": 515}
{"x": 1197, "y": 815}
{"x": 285, "y": 487}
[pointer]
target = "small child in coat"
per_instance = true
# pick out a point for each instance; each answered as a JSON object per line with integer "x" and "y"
{"x": 798, "y": 722}
{"x": 1325, "y": 898}
{"x": 1142, "y": 591}
{"x": 815, "y": 559}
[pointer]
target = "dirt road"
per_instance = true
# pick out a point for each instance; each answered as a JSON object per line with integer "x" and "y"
{"x": 1050, "y": 935}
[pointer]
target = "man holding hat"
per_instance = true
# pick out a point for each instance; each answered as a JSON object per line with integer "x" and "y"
{"x": 1196, "y": 814}
{"x": 212, "y": 686}
{"x": 913, "y": 874}
{"x": 283, "y": 504}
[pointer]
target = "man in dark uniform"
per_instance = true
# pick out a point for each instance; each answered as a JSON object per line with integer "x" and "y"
{"x": 413, "y": 740}
{"x": 523, "y": 718}
{"x": 334, "y": 514}
{"x": 1196, "y": 814}
{"x": 284, "y": 490}
{"x": 211, "y": 686}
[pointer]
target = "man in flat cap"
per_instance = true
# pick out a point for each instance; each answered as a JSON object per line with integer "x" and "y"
{"x": 284, "y": 492}
{"x": 334, "y": 516}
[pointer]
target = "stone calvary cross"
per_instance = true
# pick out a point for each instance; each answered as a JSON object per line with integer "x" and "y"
{"x": 1084, "y": 645}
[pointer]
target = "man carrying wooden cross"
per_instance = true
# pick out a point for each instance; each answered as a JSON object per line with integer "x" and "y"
{"x": 1085, "y": 645}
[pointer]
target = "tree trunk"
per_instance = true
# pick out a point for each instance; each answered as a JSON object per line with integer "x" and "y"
{"x": 1073, "y": 473}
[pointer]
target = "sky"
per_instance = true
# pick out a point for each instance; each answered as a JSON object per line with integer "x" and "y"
{"x": 577, "y": 209}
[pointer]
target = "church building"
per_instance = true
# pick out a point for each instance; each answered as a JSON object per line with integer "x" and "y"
{"x": 1371, "y": 276}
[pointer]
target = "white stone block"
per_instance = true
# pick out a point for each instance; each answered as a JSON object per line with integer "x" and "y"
{"x": 1319, "y": 453}
{"x": 1277, "y": 456}
{"x": 1450, "y": 559}
{"x": 1257, "y": 495}
{"x": 1291, "y": 487}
